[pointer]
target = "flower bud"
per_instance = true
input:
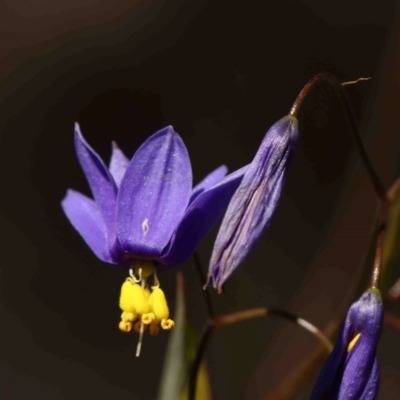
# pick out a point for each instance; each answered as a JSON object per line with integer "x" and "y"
{"x": 254, "y": 202}
{"x": 351, "y": 371}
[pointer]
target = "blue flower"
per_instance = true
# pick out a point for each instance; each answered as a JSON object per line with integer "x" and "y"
{"x": 253, "y": 204}
{"x": 145, "y": 216}
{"x": 351, "y": 371}
{"x": 146, "y": 208}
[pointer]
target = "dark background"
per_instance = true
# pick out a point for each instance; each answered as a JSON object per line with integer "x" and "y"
{"x": 221, "y": 72}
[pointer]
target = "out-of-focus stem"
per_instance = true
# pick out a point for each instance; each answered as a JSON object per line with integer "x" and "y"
{"x": 242, "y": 316}
{"x": 200, "y": 273}
{"x": 351, "y": 120}
{"x": 393, "y": 294}
{"x": 392, "y": 320}
{"x": 376, "y": 273}
{"x": 288, "y": 386}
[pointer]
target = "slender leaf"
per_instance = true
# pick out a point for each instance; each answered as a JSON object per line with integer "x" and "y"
{"x": 180, "y": 353}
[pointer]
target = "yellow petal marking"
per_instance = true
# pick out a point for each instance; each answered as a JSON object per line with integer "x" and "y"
{"x": 353, "y": 342}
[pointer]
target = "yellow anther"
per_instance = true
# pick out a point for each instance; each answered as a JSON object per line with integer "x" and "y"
{"x": 133, "y": 298}
{"x": 154, "y": 329}
{"x": 136, "y": 302}
{"x": 146, "y": 293}
{"x": 148, "y": 318}
{"x": 126, "y": 302}
{"x": 125, "y": 326}
{"x": 146, "y": 266}
{"x": 137, "y": 325}
{"x": 167, "y": 324}
{"x": 353, "y": 342}
{"x": 158, "y": 304}
{"x": 128, "y": 317}
{"x": 139, "y": 299}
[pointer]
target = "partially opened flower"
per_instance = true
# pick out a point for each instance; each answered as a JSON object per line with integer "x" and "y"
{"x": 146, "y": 216}
{"x": 351, "y": 371}
{"x": 253, "y": 204}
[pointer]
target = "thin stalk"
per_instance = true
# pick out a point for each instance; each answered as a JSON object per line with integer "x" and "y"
{"x": 376, "y": 272}
{"x": 200, "y": 273}
{"x": 242, "y": 316}
{"x": 288, "y": 386}
{"x": 351, "y": 120}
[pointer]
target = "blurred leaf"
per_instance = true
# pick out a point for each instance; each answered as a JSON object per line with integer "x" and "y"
{"x": 180, "y": 353}
{"x": 391, "y": 250}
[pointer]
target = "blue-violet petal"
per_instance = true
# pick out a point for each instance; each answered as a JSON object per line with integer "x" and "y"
{"x": 118, "y": 164}
{"x": 100, "y": 181}
{"x": 253, "y": 204}
{"x": 154, "y": 194}
{"x": 210, "y": 180}
{"x": 200, "y": 217}
{"x": 86, "y": 218}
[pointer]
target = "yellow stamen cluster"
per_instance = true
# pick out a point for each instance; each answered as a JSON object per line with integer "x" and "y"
{"x": 146, "y": 308}
{"x": 353, "y": 342}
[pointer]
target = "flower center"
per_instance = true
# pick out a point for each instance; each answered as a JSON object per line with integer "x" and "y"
{"x": 143, "y": 305}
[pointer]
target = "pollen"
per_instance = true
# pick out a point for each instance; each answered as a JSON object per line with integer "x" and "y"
{"x": 143, "y": 306}
{"x": 167, "y": 324}
{"x": 353, "y": 342}
{"x": 158, "y": 304}
{"x": 128, "y": 316}
{"x": 125, "y": 326}
{"x": 148, "y": 318}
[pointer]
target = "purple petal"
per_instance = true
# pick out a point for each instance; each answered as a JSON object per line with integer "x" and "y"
{"x": 101, "y": 183}
{"x": 200, "y": 217}
{"x": 354, "y": 374}
{"x": 154, "y": 194}
{"x": 86, "y": 218}
{"x": 366, "y": 316}
{"x": 372, "y": 388}
{"x": 210, "y": 180}
{"x": 328, "y": 383}
{"x": 252, "y": 206}
{"x": 118, "y": 164}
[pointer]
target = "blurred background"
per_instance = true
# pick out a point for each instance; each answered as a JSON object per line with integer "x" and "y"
{"x": 221, "y": 72}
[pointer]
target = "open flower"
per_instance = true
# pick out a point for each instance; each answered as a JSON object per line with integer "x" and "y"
{"x": 351, "y": 371}
{"x": 253, "y": 204}
{"x": 145, "y": 210}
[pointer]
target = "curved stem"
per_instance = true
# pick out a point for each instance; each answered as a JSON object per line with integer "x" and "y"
{"x": 351, "y": 120}
{"x": 245, "y": 315}
{"x": 288, "y": 386}
{"x": 242, "y": 316}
